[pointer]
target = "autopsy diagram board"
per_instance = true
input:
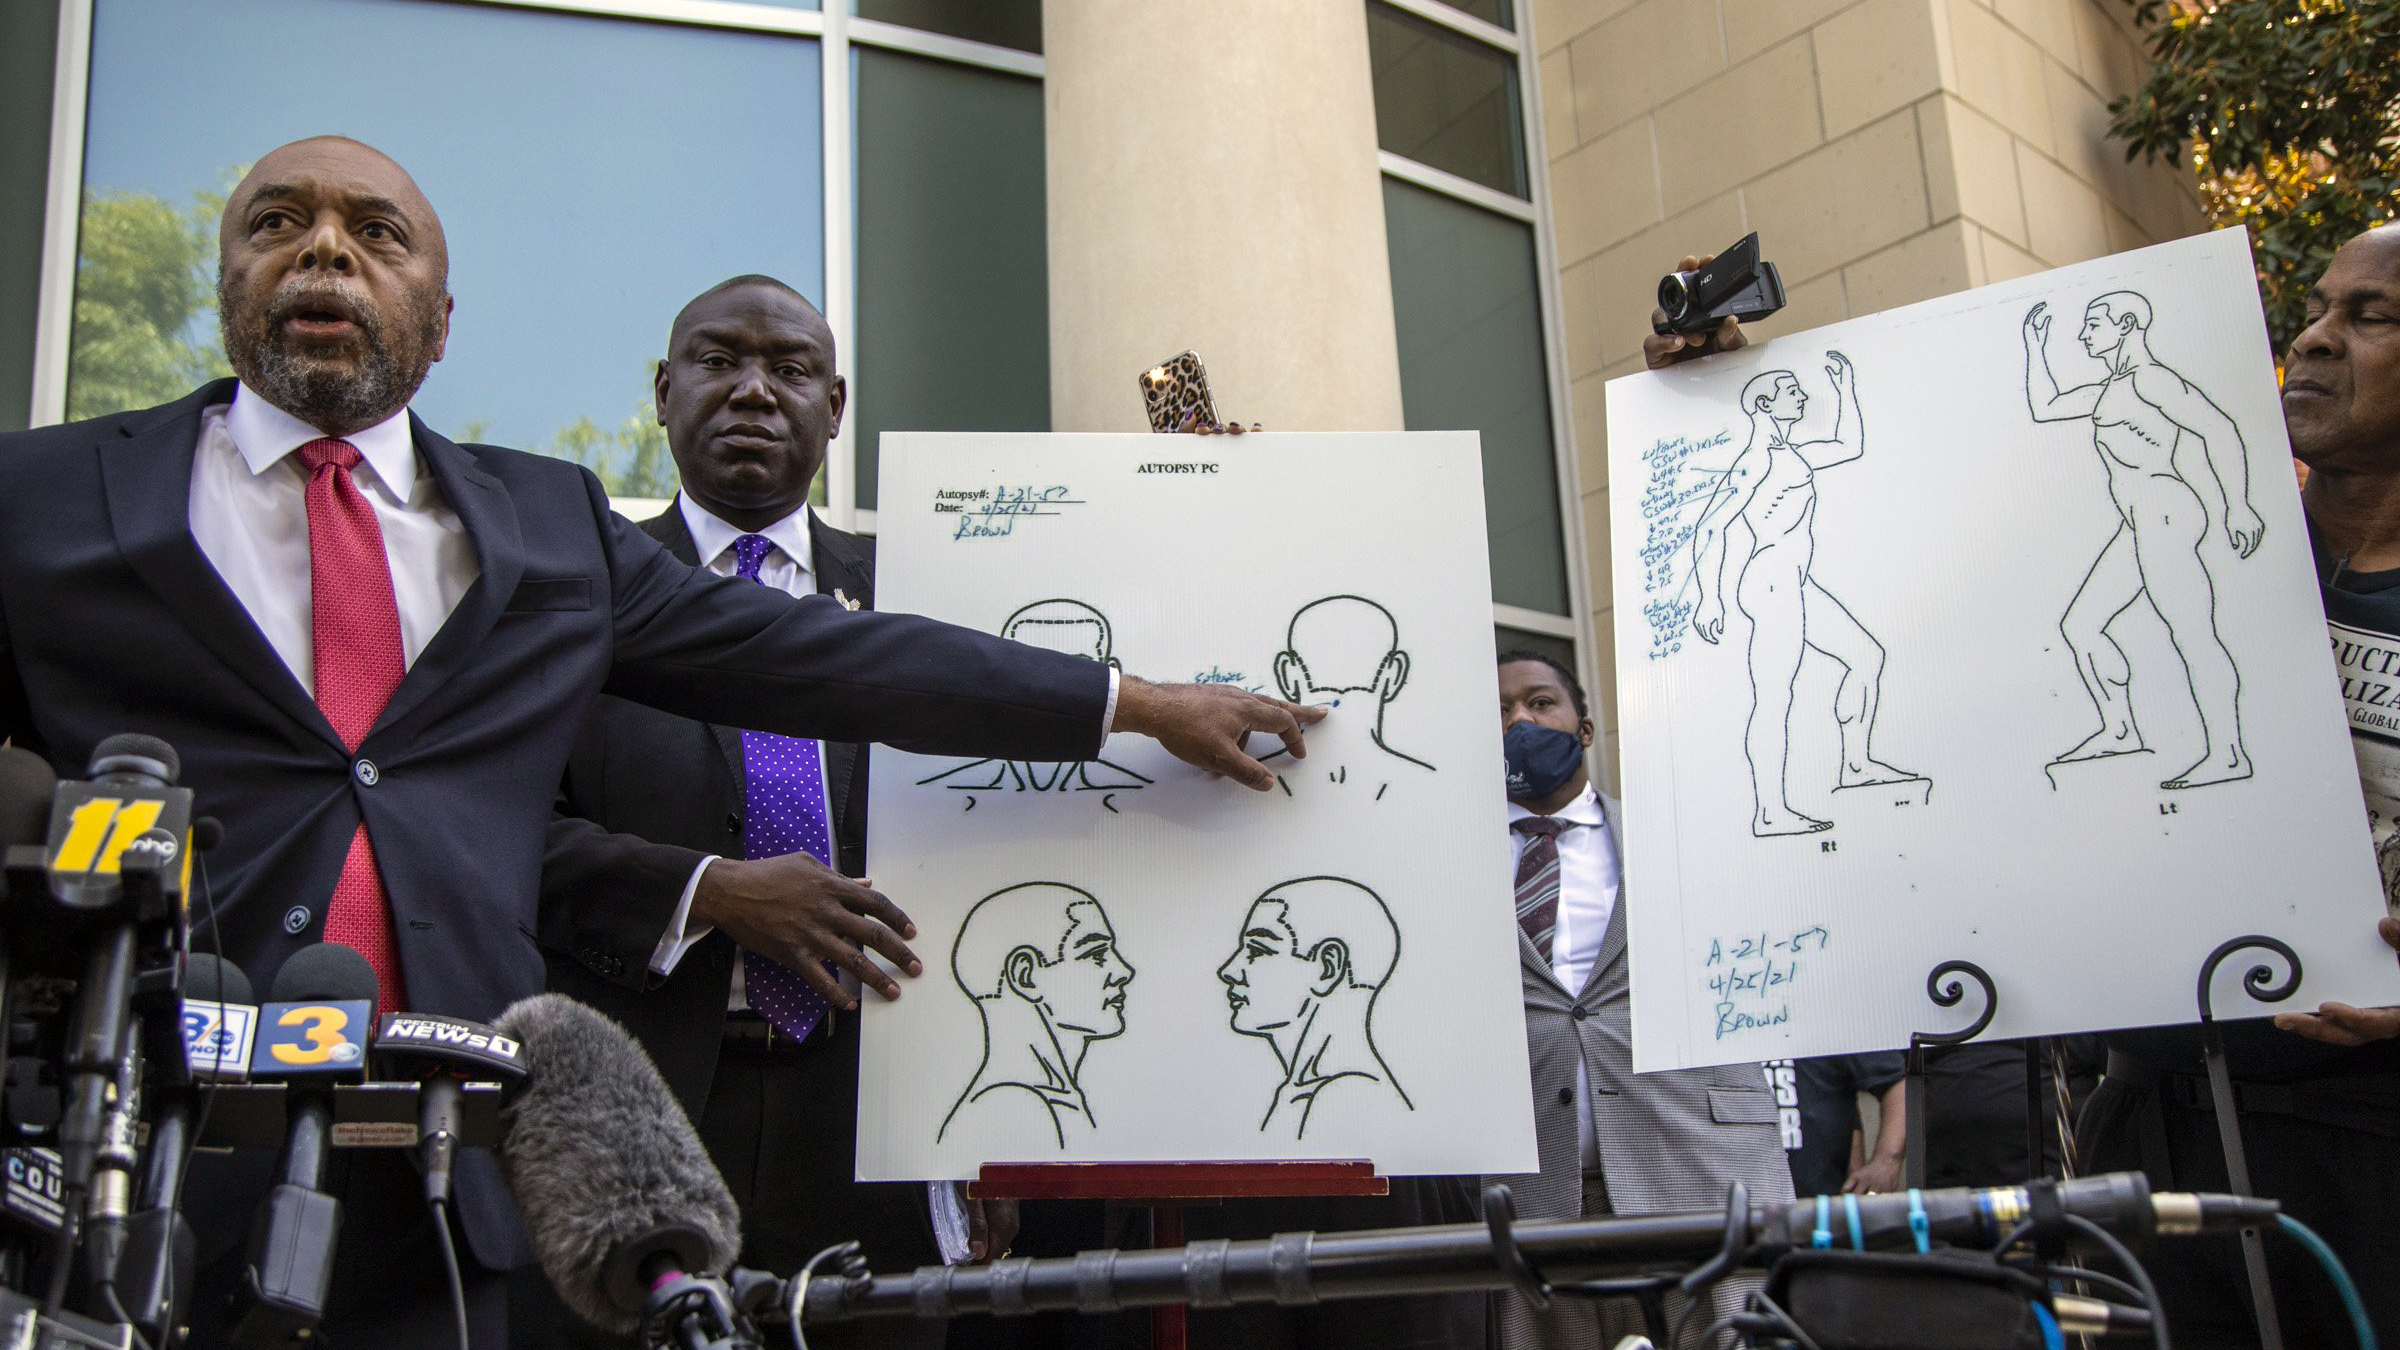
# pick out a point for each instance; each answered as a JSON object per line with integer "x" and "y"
{"x": 1984, "y": 629}
{"x": 1127, "y": 959}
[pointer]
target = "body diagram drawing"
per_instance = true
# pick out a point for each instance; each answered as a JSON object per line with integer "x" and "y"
{"x": 1771, "y": 491}
{"x": 1041, "y": 963}
{"x": 1346, "y": 648}
{"x": 1312, "y": 957}
{"x": 1077, "y": 629}
{"x": 2146, "y": 419}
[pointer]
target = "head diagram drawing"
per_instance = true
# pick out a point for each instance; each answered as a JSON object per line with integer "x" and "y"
{"x": 1345, "y": 645}
{"x": 1075, "y": 629}
{"x": 1040, "y": 961}
{"x": 1312, "y": 957}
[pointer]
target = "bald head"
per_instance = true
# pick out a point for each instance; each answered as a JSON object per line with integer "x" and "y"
{"x": 289, "y": 168}
{"x": 332, "y": 283}
{"x": 730, "y": 294}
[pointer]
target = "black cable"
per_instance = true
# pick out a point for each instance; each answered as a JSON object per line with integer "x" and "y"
{"x": 1683, "y": 1319}
{"x": 2141, "y": 1277}
{"x": 1708, "y": 1334}
{"x": 70, "y": 1236}
{"x": 1759, "y": 1299}
{"x": 115, "y": 1308}
{"x": 2078, "y": 1275}
{"x": 458, "y": 1283}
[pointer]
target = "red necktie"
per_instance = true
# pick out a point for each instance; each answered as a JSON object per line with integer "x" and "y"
{"x": 355, "y": 629}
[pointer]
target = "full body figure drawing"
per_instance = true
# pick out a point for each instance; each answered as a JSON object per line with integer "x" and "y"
{"x": 2143, "y": 416}
{"x": 1771, "y": 490}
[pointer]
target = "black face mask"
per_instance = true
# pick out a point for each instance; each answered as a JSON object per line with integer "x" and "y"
{"x": 1540, "y": 759}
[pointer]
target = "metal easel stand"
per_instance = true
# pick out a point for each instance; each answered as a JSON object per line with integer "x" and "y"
{"x": 1948, "y": 995}
{"x": 2260, "y": 984}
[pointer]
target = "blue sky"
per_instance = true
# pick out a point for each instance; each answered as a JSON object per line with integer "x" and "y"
{"x": 591, "y": 174}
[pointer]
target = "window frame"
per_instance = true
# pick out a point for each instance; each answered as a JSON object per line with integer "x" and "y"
{"x": 1577, "y": 626}
{"x": 834, "y": 29}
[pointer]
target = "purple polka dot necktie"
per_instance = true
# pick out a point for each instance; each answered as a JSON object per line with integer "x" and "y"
{"x": 785, "y": 785}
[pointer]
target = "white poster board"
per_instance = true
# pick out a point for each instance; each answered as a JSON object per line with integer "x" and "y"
{"x": 1897, "y": 682}
{"x": 1129, "y": 960}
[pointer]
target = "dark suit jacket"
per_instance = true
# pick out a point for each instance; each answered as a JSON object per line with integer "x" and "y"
{"x": 647, "y": 796}
{"x": 112, "y": 620}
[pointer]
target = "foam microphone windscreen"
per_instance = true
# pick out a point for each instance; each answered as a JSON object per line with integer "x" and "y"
{"x": 606, "y": 1170}
{"x": 326, "y": 972}
{"x": 133, "y": 752}
{"x": 26, "y": 786}
{"x": 211, "y": 977}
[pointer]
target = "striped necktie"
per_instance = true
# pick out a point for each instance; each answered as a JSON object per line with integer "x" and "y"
{"x": 1537, "y": 878}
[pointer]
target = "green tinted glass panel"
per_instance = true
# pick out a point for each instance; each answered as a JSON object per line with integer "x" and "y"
{"x": 1444, "y": 99}
{"x": 1003, "y": 23}
{"x": 1557, "y": 649}
{"x": 953, "y": 286}
{"x": 1500, "y": 12}
{"x": 1470, "y": 327}
{"x": 28, "y": 40}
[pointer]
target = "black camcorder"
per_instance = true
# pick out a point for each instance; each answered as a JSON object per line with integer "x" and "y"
{"x": 1735, "y": 283}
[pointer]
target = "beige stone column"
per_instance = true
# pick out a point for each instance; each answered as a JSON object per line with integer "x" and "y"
{"x": 1213, "y": 185}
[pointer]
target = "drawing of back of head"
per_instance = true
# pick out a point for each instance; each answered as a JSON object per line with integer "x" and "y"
{"x": 1335, "y": 919}
{"x": 1019, "y": 942}
{"x": 1069, "y": 626}
{"x": 1343, "y": 644}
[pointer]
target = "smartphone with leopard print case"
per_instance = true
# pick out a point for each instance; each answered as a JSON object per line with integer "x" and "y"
{"x": 1175, "y": 394}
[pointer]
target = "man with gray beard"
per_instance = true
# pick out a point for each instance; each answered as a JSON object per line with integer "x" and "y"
{"x": 373, "y": 649}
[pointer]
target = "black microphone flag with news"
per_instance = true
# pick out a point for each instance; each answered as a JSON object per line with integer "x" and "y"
{"x": 609, "y": 1176}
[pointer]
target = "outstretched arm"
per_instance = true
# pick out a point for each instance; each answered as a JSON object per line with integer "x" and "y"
{"x": 2042, "y": 394}
{"x": 2228, "y": 459}
{"x": 1730, "y": 500}
{"x": 1849, "y": 438}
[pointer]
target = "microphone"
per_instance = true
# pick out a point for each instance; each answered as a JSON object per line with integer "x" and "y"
{"x": 441, "y": 1053}
{"x": 313, "y": 1035}
{"x": 614, "y": 1187}
{"x": 33, "y": 1191}
{"x": 26, "y": 786}
{"x": 160, "y": 1249}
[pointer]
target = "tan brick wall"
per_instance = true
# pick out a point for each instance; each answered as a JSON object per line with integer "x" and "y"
{"x": 1887, "y": 151}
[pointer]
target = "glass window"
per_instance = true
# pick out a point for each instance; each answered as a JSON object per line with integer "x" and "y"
{"x": 1490, "y": 11}
{"x": 1002, "y": 23}
{"x": 1469, "y": 319}
{"x": 953, "y": 282}
{"x": 585, "y": 195}
{"x": 1557, "y": 649}
{"x": 28, "y": 46}
{"x": 1446, "y": 100}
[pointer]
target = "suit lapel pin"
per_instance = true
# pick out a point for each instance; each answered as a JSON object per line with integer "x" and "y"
{"x": 847, "y": 602}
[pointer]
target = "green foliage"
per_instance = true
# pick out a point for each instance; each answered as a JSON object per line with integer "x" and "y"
{"x": 632, "y": 461}
{"x": 2291, "y": 109}
{"x": 145, "y": 278}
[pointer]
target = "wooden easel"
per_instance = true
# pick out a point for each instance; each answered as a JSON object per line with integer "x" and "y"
{"x": 1166, "y": 1189}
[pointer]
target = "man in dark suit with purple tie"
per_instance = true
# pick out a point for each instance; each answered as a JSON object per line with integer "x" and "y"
{"x": 373, "y": 649}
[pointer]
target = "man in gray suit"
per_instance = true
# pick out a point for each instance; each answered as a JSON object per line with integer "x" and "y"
{"x": 1609, "y": 1142}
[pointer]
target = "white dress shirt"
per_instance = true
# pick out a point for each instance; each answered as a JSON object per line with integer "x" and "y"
{"x": 249, "y": 514}
{"x": 1590, "y": 878}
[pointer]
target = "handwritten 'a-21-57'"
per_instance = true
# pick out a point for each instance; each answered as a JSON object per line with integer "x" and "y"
{"x": 993, "y": 513}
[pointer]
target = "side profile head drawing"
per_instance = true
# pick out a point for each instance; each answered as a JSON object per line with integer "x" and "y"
{"x": 1776, "y": 394}
{"x": 1343, "y": 644}
{"x": 2112, "y": 319}
{"x": 1047, "y": 946}
{"x": 1069, "y": 626}
{"x": 1302, "y": 943}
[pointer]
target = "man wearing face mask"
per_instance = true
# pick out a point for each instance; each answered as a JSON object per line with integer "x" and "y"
{"x": 1609, "y": 1142}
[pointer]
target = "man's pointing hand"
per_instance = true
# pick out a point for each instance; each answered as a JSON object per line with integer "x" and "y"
{"x": 1209, "y": 725}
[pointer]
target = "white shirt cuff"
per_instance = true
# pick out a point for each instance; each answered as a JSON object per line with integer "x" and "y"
{"x": 949, "y": 1204}
{"x": 676, "y": 941}
{"x": 1108, "y": 716}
